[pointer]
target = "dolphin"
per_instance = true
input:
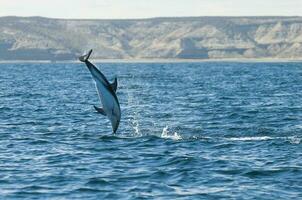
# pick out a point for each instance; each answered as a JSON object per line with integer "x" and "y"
{"x": 107, "y": 93}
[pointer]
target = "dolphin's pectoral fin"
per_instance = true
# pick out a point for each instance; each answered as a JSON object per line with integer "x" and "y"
{"x": 114, "y": 84}
{"x": 100, "y": 110}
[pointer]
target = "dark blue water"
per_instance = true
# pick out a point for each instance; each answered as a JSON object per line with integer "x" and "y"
{"x": 188, "y": 131}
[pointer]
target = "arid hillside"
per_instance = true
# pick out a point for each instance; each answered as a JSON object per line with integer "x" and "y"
{"x": 37, "y": 38}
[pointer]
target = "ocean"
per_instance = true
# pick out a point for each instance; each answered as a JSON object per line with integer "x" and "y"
{"x": 202, "y": 130}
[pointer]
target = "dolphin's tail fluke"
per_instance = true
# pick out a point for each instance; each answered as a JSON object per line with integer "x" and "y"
{"x": 85, "y": 57}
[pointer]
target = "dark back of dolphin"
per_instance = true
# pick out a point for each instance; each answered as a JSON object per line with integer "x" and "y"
{"x": 106, "y": 91}
{"x": 93, "y": 68}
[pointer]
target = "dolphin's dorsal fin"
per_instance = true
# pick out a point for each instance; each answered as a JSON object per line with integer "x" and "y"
{"x": 114, "y": 84}
{"x": 100, "y": 110}
{"x": 85, "y": 57}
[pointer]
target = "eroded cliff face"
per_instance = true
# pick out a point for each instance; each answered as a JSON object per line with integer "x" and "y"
{"x": 38, "y": 38}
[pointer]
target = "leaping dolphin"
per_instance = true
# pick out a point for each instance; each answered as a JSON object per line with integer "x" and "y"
{"x": 107, "y": 93}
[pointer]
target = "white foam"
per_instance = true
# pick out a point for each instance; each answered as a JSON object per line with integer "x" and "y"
{"x": 250, "y": 138}
{"x": 165, "y": 134}
{"x": 51, "y": 128}
{"x": 294, "y": 140}
{"x": 197, "y": 190}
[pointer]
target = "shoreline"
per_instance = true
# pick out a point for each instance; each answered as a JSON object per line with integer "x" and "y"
{"x": 247, "y": 60}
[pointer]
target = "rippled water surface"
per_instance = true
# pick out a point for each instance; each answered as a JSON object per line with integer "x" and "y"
{"x": 188, "y": 131}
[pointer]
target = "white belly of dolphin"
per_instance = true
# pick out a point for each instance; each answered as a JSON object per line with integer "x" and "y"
{"x": 108, "y": 102}
{"x": 110, "y": 105}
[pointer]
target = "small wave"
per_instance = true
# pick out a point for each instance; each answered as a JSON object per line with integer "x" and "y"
{"x": 85, "y": 189}
{"x": 221, "y": 140}
{"x": 250, "y": 138}
{"x": 298, "y": 126}
{"x": 97, "y": 181}
{"x": 165, "y": 134}
{"x": 291, "y": 139}
{"x": 196, "y": 191}
{"x": 112, "y": 137}
{"x": 294, "y": 140}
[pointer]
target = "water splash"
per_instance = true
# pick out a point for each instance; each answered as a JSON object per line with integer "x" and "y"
{"x": 134, "y": 118}
{"x": 165, "y": 134}
{"x": 135, "y": 126}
